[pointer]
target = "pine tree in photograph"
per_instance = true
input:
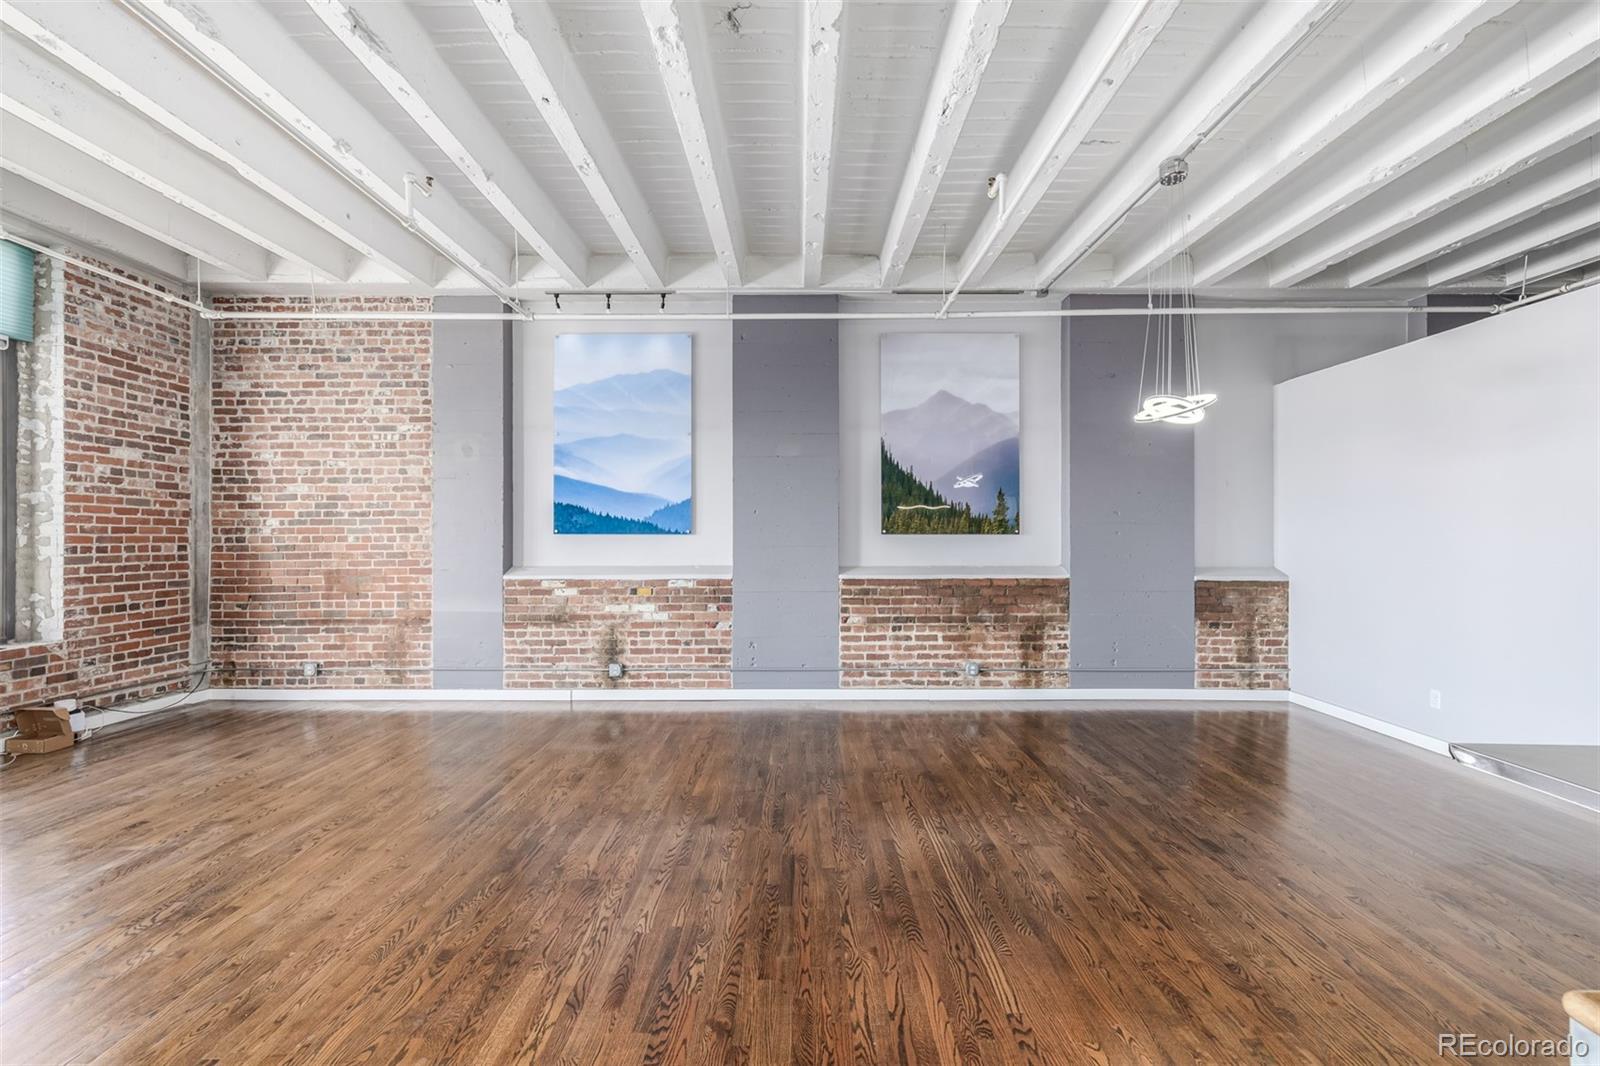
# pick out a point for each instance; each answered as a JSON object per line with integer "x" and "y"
{"x": 911, "y": 505}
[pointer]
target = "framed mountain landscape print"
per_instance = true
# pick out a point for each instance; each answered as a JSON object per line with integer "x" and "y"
{"x": 950, "y": 432}
{"x": 624, "y": 444}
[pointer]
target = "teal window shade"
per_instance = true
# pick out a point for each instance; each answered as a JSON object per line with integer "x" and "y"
{"x": 16, "y": 292}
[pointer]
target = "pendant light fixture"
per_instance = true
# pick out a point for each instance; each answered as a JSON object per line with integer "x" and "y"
{"x": 1170, "y": 367}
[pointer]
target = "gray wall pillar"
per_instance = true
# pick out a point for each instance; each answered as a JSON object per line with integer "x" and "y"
{"x": 1435, "y": 314}
{"x": 1131, "y": 516}
{"x": 471, "y": 466}
{"x": 786, "y": 496}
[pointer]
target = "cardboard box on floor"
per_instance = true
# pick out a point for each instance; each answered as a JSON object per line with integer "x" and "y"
{"x": 40, "y": 730}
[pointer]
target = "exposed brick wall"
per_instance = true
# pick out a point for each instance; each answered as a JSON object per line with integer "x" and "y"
{"x": 30, "y": 672}
{"x": 920, "y": 631}
{"x": 322, "y": 497}
{"x": 125, "y": 580}
{"x": 1241, "y": 634}
{"x": 671, "y": 633}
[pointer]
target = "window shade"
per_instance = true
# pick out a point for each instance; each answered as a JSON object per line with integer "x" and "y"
{"x": 16, "y": 291}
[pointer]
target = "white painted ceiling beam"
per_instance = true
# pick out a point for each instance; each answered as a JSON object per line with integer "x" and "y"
{"x": 249, "y": 50}
{"x": 1575, "y": 172}
{"x": 40, "y": 92}
{"x": 1530, "y": 136}
{"x": 42, "y": 159}
{"x": 116, "y": 52}
{"x": 1551, "y": 227}
{"x": 970, "y": 36}
{"x": 529, "y": 36}
{"x": 393, "y": 46}
{"x": 1539, "y": 129}
{"x": 32, "y": 211}
{"x": 685, "y": 67}
{"x": 1012, "y": 272}
{"x": 1274, "y": 33}
{"x": 1563, "y": 258}
{"x": 1567, "y": 39}
{"x": 1109, "y": 54}
{"x": 1314, "y": 124}
{"x": 819, "y": 83}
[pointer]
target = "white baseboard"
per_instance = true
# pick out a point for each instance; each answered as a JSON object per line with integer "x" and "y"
{"x": 733, "y": 695}
{"x": 550, "y": 699}
{"x": 106, "y": 717}
{"x": 1377, "y": 725}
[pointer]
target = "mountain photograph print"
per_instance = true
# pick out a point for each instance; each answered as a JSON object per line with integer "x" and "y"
{"x": 950, "y": 432}
{"x": 624, "y": 449}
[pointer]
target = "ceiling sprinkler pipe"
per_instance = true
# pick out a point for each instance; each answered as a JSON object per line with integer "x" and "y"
{"x": 1560, "y": 290}
{"x": 823, "y": 316}
{"x": 110, "y": 275}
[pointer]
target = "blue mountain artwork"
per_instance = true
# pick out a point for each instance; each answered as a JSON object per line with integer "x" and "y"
{"x": 623, "y": 446}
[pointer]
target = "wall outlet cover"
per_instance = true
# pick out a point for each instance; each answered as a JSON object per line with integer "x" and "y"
{"x": 1435, "y": 700}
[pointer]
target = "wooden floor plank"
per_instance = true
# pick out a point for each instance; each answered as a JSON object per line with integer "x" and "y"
{"x": 315, "y": 883}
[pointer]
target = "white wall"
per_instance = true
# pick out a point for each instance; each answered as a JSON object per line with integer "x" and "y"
{"x": 533, "y": 448}
{"x": 1242, "y": 358}
{"x": 861, "y": 542}
{"x": 1438, "y": 515}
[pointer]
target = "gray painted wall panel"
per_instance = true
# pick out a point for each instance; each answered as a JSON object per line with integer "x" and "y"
{"x": 786, "y": 497}
{"x": 470, "y": 534}
{"x": 1130, "y": 515}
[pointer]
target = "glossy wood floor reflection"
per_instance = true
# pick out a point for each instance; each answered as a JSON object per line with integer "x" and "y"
{"x": 342, "y": 885}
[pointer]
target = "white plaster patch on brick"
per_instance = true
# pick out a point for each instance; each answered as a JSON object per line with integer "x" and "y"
{"x": 629, "y": 608}
{"x": 41, "y": 463}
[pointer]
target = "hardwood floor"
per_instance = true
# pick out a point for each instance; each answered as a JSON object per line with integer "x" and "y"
{"x": 342, "y": 885}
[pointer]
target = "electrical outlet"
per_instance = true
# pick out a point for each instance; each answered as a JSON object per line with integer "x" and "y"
{"x": 310, "y": 669}
{"x": 1435, "y": 700}
{"x": 971, "y": 669}
{"x": 613, "y": 670}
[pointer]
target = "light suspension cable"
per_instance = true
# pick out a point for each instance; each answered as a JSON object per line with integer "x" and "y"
{"x": 1170, "y": 313}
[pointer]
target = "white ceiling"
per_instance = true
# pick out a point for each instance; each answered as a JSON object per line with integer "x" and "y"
{"x": 829, "y": 145}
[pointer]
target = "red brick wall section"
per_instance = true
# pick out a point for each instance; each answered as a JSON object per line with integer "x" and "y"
{"x": 921, "y": 631}
{"x": 671, "y": 633}
{"x": 1241, "y": 634}
{"x": 322, "y": 500}
{"x": 125, "y": 592}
